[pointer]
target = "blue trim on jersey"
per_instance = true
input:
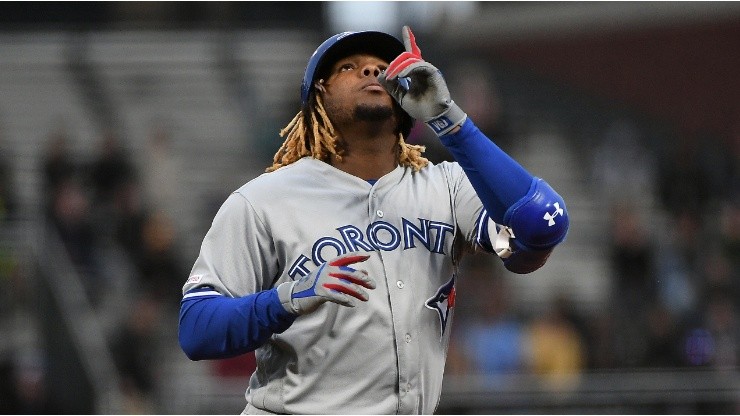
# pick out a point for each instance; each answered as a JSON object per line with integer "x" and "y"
{"x": 482, "y": 238}
{"x": 498, "y": 179}
{"x": 372, "y": 181}
{"x": 216, "y": 326}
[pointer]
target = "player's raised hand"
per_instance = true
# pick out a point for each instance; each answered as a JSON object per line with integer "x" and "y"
{"x": 420, "y": 88}
{"x": 334, "y": 281}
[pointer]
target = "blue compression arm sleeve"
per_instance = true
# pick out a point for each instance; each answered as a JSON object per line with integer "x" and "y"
{"x": 498, "y": 179}
{"x": 216, "y": 326}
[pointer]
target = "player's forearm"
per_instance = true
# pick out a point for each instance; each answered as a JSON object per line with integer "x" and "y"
{"x": 534, "y": 212}
{"x": 499, "y": 180}
{"x": 218, "y": 326}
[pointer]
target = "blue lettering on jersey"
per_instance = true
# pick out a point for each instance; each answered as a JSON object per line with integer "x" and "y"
{"x": 337, "y": 249}
{"x": 411, "y": 233}
{"x": 379, "y": 235}
{"x": 383, "y": 235}
{"x": 442, "y": 230}
{"x": 354, "y": 239}
{"x": 298, "y": 268}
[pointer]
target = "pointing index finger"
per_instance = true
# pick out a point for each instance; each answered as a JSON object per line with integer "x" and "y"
{"x": 409, "y": 41}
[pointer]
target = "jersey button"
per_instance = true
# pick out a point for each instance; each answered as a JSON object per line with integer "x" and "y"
{"x": 379, "y": 213}
{"x": 400, "y": 284}
{"x": 408, "y": 338}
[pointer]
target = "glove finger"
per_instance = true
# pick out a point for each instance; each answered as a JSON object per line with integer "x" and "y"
{"x": 358, "y": 277}
{"x": 399, "y": 63}
{"x": 417, "y": 69}
{"x": 339, "y": 297}
{"x": 397, "y": 87}
{"x": 409, "y": 41}
{"x": 389, "y": 84}
{"x": 349, "y": 258}
{"x": 345, "y": 288}
{"x": 383, "y": 80}
{"x": 400, "y": 66}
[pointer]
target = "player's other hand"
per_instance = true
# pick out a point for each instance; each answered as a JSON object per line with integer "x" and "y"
{"x": 420, "y": 88}
{"x": 334, "y": 281}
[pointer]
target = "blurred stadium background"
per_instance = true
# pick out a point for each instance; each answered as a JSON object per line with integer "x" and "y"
{"x": 124, "y": 126}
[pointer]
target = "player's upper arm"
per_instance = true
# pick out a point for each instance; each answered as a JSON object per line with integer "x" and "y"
{"x": 235, "y": 257}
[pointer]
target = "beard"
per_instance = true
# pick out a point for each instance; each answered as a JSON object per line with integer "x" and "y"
{"x": 372, "y": 113}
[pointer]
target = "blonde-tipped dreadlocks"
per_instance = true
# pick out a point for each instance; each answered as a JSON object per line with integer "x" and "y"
{"x": 319, "y": 139}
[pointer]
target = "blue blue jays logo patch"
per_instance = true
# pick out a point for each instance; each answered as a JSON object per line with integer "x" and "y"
{"x": 443, "y": 302}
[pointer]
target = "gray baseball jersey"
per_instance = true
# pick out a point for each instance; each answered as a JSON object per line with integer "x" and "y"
{"x": 386, "y": 355}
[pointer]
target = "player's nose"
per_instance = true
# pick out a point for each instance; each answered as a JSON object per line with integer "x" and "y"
{"x": 371, "y": 70}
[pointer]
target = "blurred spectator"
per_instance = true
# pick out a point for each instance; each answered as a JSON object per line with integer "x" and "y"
{"x": 57, "y": 165}
{"x": 713, "y": 342}
{"x": 725, "y": 271}
{"x": 110, "y": 170}
{"x": 578, "y": 322}
{"x": 717, "y": 161}
{"x": 633, "y": 285}
{"x": 129, "y": 216}
{"x": 622, "y": 167}
{"x": 662, "y": 338}
{"x": 631, "y": 259}
{"x": 8, "y": 390}
{"x": 603, "y": 329}
{"x": 7, "y": 195}
{"x": 162, "y": 171}
{"x": 493, "y": 339}
{"x": 676, "y": 262}
{"x": 135, "y": 352}
{"x": 722, "y": 323}
{"x": 683, "y": 183}
{"x": 159, "y": 266}
{"x": 30, "y": 379}
{"x": 71, "y": 216}
{"x": 557, "y": 352}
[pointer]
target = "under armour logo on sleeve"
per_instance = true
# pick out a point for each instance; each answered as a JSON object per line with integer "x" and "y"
{"x": 551, "y": 217}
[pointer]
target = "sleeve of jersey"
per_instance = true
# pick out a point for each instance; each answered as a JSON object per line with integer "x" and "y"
{"x": 215, "y": 326}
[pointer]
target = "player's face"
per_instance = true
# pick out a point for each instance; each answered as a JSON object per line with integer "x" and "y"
{"x": 352, "y": 88}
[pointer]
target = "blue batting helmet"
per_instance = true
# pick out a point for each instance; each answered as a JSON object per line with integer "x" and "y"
{"x": 341, "y": 45}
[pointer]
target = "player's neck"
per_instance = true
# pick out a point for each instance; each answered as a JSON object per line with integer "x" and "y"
{"x": 368, "y": 158}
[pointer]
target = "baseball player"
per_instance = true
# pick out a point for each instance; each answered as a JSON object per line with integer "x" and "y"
{"x": 338, "y": 266}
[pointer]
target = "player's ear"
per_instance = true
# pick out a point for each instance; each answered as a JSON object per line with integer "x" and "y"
{"x": 319, "y": 85}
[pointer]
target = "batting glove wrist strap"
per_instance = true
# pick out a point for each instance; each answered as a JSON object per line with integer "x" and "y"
{"x": 334, "y": 281}
{"x": 445, "y": 122}
{"x": 285, "y": 291}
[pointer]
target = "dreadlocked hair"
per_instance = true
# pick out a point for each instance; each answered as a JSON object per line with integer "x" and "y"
{"x": 311, "y": 133}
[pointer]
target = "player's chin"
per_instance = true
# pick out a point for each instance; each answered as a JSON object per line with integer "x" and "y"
{"x": 370, "y": 111}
